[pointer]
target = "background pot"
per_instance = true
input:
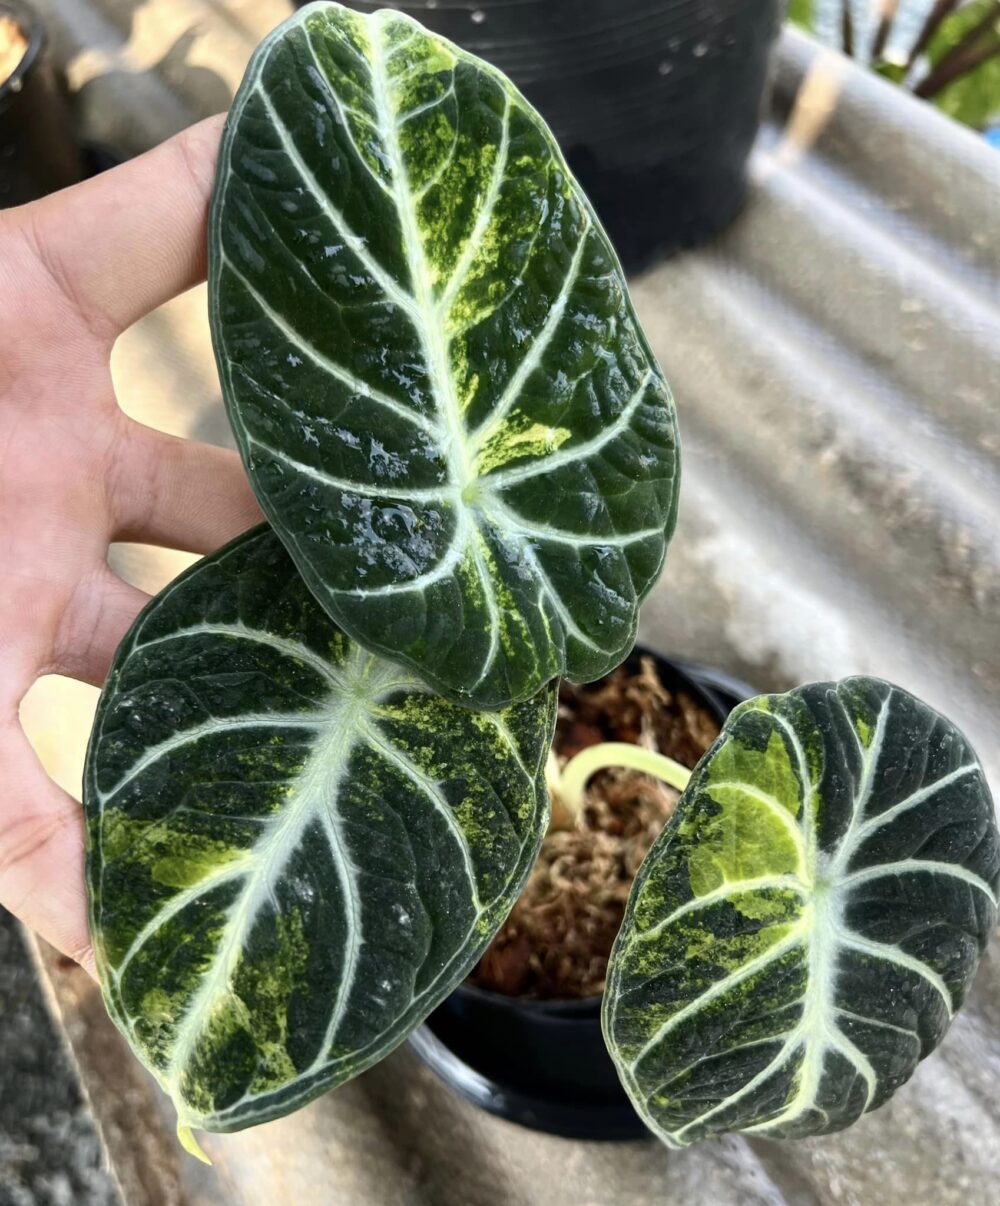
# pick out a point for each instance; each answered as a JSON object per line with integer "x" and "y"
{"x": 544, "y": 1063}
{"x": 654, "y": 102}
{"x": 38, "y": 153}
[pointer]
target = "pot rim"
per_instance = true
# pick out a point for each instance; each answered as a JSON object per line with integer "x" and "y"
{"x": 682, "y": 671}
{"x": 33, "y": 29}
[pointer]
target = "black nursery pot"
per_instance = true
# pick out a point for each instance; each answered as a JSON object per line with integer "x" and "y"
{"x": 38, "y": 153}
{"x": 655, "y": 103}
{"x": 544, "y": 1063}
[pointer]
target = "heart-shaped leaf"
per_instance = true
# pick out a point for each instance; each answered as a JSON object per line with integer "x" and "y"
{"x": 804, "y": 929}
{"x": 295, "y": 851}
{"x": 430, "y": 360}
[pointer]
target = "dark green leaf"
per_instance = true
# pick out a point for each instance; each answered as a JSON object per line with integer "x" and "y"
{"x": 430, "y": 360}
{"x": 295, "y": 851}
{"x": 802, "y": 932}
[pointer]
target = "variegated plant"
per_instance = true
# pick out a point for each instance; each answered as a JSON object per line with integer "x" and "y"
{"x": 804, "y": 929}
{"x": 295, "y": 850}
{"x": 315, "y": 783}
{"x": 441, "y": 393}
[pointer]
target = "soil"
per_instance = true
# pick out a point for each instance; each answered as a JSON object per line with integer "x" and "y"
{"x": 556, "y": 942}
{"x": 13, "y": 44}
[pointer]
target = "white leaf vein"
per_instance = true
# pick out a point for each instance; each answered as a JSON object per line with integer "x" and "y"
{"x": 504, "y": 477}
{"x": 357, "y": 244}
{"x": 355, "y": 384}
{"x": 209, "y": 728}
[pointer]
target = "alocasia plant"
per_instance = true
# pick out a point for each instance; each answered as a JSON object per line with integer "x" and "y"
{"x": 431, "y": 364}
{"x": 295, "y": 848}
{"x": 315, "y": 784}
{"x": 804, "y": 929}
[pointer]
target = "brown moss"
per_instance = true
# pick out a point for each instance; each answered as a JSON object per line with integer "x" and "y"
{"x": 556, "y": 942}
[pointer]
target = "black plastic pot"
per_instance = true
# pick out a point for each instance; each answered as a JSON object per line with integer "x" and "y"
{"x": 655, "y": 102}
{"x": 38, "y": 153}
{"x": 544, "y": 1063}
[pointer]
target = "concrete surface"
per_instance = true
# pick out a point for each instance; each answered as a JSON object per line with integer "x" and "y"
{"x": 50, "y": 1154}
{"x": 837, "y": 363}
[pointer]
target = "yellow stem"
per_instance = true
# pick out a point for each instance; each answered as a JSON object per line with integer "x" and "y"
{"x": 575, "y": 774}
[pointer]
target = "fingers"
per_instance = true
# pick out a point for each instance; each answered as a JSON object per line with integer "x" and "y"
{"x": 180, "y": 494}
{"x": 41, "y": 850}
{"x": 120, "y": 244}
{"x": 41, "y": 826}
{"x": 100, "y": 612}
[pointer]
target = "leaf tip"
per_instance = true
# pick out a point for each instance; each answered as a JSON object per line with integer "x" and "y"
{"x": 190, "y": 1144}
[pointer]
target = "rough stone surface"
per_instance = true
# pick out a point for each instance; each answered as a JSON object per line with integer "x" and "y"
{"x": 835, "y": 359}
{"x": 49, "y": 1150}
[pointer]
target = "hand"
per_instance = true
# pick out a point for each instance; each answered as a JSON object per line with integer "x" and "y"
{"x": 76, "y": 269}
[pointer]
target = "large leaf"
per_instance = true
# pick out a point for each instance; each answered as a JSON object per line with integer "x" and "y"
{"x": 294, "y": 850}
{"x": 803, "y": 931}
{"x": 435, "y": 376}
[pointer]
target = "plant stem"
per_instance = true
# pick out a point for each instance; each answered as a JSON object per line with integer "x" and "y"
{"x": 847, "y": 28}
{"x": 888, "y": 15}
{"x": 937, "y": 14}
{"x": 964, "y": 57}
{"x": 578, "y": 770}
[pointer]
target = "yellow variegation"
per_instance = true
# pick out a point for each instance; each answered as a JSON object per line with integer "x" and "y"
{"x": 436, "y": 378}
{"x": 801, "y": 934}
{"x": 295, "y": 849}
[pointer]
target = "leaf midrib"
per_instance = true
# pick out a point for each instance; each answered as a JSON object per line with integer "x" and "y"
{"x": 825, "y": 937}
{"x": 344, "y": 723}
{"x": 314, "y": 799}
{"x": 359, "y": 686}
{"x": 425, "y": 317}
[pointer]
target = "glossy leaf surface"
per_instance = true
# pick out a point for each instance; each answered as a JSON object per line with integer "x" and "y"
{"x": 295, "y": 851}
{"x": 430, "y": 360}
{"x": 804, "y": 929}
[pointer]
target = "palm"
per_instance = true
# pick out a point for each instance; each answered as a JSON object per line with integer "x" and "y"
{"x": 77, "y": 474}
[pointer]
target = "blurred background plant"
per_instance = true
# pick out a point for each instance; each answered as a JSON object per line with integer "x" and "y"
{"x": 945, "y": 51}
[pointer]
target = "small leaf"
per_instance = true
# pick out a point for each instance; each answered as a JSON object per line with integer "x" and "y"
{"x": 295, "y": 851}
{"x": 801, "y": 12}
{"x": 805, "y": 928}
{"x": 427, "y": 350}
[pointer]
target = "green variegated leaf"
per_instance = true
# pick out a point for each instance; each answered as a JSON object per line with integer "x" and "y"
{"x": 295, "y": 851}
{"x": 430, "y": 360}
{"x": 802, "y": 932}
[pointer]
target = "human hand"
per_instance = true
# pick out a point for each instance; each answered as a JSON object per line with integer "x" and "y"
{"x": 76, "y": 269}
